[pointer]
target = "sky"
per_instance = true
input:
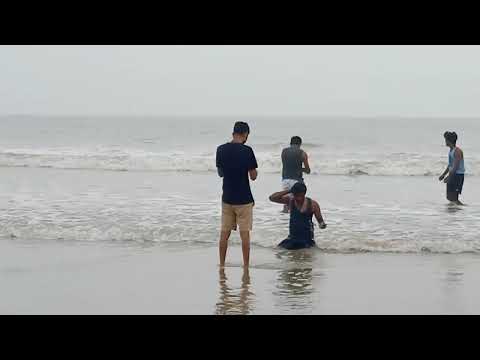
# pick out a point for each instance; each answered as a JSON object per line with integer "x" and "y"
{"x": 260, "y": 80}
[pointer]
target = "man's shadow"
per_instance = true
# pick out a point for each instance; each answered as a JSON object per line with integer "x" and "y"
{"x": 233, "y": 301}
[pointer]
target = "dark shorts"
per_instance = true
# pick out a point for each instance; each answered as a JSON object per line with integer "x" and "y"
{"x": 455, "y": 185}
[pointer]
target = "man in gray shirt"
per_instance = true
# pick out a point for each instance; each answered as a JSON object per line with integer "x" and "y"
{"x": 295, "y": 163}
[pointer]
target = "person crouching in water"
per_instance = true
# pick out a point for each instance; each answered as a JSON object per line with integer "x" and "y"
{"x": 302, "y": 210}
{"x": 455, "y": 168}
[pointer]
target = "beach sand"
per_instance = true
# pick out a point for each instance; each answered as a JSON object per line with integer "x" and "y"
{"x": 55, "y": 277}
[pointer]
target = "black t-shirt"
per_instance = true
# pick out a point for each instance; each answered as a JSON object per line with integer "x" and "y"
{"x": 235, "y": 160}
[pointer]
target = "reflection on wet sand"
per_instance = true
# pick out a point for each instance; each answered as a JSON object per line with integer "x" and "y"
{"x": 294, "y": 289}
{"x": 234, "y": 301}
{"x": 453, "y": 286}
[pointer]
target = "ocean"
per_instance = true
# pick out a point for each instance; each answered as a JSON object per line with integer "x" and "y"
{"x": 154, "y": 180}
{"x": 121, "y": 215}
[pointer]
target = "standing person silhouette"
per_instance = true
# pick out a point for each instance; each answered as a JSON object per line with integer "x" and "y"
{"x": 455, "y": 169}
{"x": 236, "y": 162}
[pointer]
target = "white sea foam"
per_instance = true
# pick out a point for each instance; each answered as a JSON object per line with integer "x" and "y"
{"x": 183, "y": 222}
{"x": 117, "y": 159}
{"x": 364, "y": 212}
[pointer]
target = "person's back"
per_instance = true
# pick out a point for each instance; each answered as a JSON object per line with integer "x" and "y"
{"x": 236, "y": 160}
{"x": 294, "y": 164}
{"x": 292, "y": 161}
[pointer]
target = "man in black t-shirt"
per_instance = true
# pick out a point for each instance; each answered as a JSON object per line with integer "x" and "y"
{"x": 236, "y": 162}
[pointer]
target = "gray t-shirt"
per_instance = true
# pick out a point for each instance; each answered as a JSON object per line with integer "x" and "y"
{"x": 292, "y": 160}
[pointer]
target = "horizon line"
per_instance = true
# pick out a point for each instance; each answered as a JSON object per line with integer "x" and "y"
{"x": 338, "y": 116}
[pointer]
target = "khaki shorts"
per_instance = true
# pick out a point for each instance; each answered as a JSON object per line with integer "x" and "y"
{"x": 233, "y": 215}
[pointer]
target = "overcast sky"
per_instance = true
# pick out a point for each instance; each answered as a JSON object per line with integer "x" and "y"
{"x": 240, "y": 80}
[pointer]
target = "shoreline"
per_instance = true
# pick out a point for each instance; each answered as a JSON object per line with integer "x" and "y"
{"x": 57, "y": 277}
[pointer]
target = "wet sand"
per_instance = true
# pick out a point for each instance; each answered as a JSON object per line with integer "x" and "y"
{"x": 55, "y": 277}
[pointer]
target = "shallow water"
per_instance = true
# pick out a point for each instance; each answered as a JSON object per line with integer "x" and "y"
{"x": 57, "y": 181}
{"x": 338, "y": 146}
{"x": 364, "y": 213}
{"x": 122, "y": 216}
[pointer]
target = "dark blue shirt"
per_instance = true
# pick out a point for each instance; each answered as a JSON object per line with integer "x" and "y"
{"x": 235, "y": 160}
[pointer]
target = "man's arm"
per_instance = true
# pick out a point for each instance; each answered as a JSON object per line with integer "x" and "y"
{"x": 219, "y": 163}
{"x": 444, "y": 174}
{"x": 280, "y": 197}
{"x": 318, "y": 215}
{"x": 253, "y": 166}
{"x": 306, "y": 169}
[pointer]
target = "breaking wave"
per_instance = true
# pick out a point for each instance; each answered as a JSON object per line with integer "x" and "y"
{"x": 116, "y": 159}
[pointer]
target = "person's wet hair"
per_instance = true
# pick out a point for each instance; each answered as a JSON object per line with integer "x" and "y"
{"x": 296, "y": 140}
{"x": 451, "y": 137}
{"x": 299, "y": 188}
{"x": 241, "y": 128}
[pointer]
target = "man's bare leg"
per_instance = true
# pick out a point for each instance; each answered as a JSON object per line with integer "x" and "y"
{"x": 224, "y": 236}
{"x": 245, "y": 236}
{"x": 286, "y": 207}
